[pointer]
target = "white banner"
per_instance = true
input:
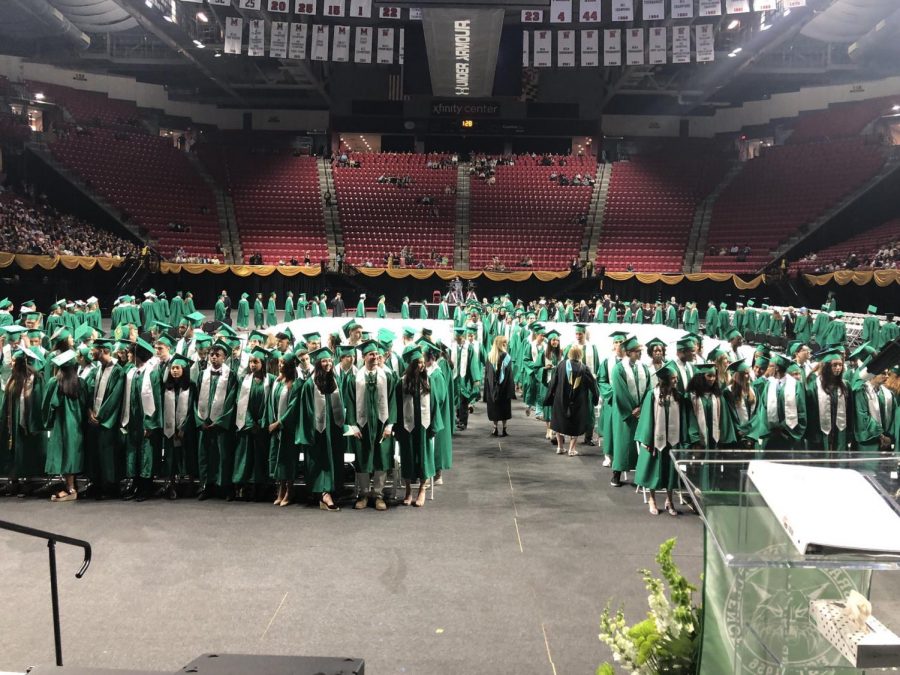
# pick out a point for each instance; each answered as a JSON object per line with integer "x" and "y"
{"x": 590, "y": 48}
{"x": 234, "y": 34}
{"x": 589, "y": 11}
{"x": 361, "y": 9}
{"x": 362, "y": 49}
{"x": 319, "y": 50}
{"x": 307, "y": 7}
{"x": 709, "y": 8}
{"x": 402, "y": 46}
{"x": 526, "y": 61}
{"x": 279, "y": 39}
{"x": 415, "y": 13}
{"x": 560, "y": 11}
{"x": 623, "y": 10}
{"x": 657, "y": 45}
{"x": 705, "y": 42}
{"x": 334, "y": 8}
{"x": 681, "y": 44}
{"x": 256, "y": 45}
{"x": 283, "y": 6}
{"x": 297, "y": 44}
{"x": 250, "y": 4}
{"x": 794, "y": 4}
{"x": 340, "y": 46}
{"x": 385, "y": 50}
{"x": 737, "y": 6}
{"x": 390, "y": 13}
{"x": 764, "y": 5}
{"x": 634, "y": 46}
{"x": 612, "y": 47}
{"x": 682, "y": 9}
{"x": 220, "y": 3}
{"x": 654, "y": 10}
{"x": 543, "y": 43}
{"x": 532, "y": 16}
{"x": 565, "y": 49}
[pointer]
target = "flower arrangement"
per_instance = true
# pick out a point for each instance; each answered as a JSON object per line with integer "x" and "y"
{"x": 668, "y": 640}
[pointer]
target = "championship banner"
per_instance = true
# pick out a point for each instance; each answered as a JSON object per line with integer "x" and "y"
{"x": 590, "y": 48}
{"x": 319, "y": 50}
{"x": 794, "y": 4}
{"x": 462, "y": 44}
{"x": 657, "y": 45}
{"x": 623, "y": 10}
{"x": 234, "y": 34}
{"x": 526, "y": 61}
{"x": 560, "y": 11}
{"x": 279, "y": 40}
{"x": 706, "y": 48}
{"x": 737, "y": 6}
{"x": 402, "y": 45}
{"x": 362, "y": 49}
{"x": 764, "y": 5}
{"x": 682, "y": 9}
{"x": 297, "y": 43}
{"x": 220, "y": 3}
{"x": 194, "y": 1}
{"x": 333, "y": 8}
{"x": 612, "y": 47}
{"x": 542, "y": 46}
{"x": 307, "y": 7}
{"x": 634, "y": 46}
{"x": 361, "y": 9}
{"x": 250, "y": 4}
{"x": 565, "y": 49}
{"x": 340, "y": 47}
{"x": 385, "y": 49}
{"x": 415, "y": 13}
{"x": 681, "y": 44}
{"x": 654, "y": 10}
{"x": 710, "y": 8}
{"x": 283, "y": 6}
{"x": 256, "y": 45}
{"x": 589, "y": 11}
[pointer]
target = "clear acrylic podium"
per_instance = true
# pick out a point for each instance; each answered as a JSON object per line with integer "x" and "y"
{"x": 756, "y": 585}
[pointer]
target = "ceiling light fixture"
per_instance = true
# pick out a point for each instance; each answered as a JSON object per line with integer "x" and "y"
{"x": 40, "y": 97}
{"x": 202, "y": 17}
{"x": 734, "y": 24}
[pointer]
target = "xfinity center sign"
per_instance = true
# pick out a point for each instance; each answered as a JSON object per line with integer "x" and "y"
{"x": 462, "y": 46}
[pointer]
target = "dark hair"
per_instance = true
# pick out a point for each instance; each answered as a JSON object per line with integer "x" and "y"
{"x": 414, "y": 380}
{"x": 68, "y": 381}
{"x": 325, "y": 382}
{"x": 20, "y": 372}
{"x": 830, "y": 381}
{"x": 550, "y": 352}
{"x": 666, "y": 388}
{"x": 289, "y": 370}
{"x": 698, "y": 385}
{"x": 182, "y": 382}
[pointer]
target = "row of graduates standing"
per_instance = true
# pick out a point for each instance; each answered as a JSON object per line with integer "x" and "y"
{"x": 265, "y": 312}
{"x": 154, "y": 309}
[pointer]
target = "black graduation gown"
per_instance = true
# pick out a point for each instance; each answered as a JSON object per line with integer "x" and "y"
{"x": 497, "y": 395}
{"x": 572, "y": 403}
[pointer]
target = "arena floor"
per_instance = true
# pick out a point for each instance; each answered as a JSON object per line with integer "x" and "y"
{"x": 507, "y": 571}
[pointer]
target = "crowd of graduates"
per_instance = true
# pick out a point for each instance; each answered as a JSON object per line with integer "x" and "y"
{"x": 169, "y": 402}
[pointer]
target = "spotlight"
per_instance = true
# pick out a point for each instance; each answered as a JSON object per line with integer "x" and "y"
{"x": 896, "y": 108}
{"x": 734, "y": 24}
{"x": 202, "y": 17}
{"x": 168, "y": 18}
{"x": 199, "y": 44}
{"x": 217, "y": 54}
{"x": 40, "y": 97}
{"x": 149, "y": 3}
{"x": 765, "y": 26}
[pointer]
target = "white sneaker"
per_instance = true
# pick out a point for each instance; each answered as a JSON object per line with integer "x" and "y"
{"x": 607, "y": 461}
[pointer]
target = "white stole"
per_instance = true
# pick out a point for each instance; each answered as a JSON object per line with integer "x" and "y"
{"x": 336, "y": 403}
{"x": 665, "y": 433}
{"x": 874, "y": 410}
{"x": 244, "y": 398}
{"x": 100, "y": 391}
{"x": 824, "y": 401}
{"x": 684, "y": 372}
{"x": 700, "y": 413}
{"x": 175, "y": 410}
{"x": 126, "y": 405}
{"x": 462, "y": 360}
{"x": 362, "y": 418}
{"x": 409, "y": 412}
{"x": 790, "y": 401}
{"x": 221, "y": 392}
{"x": 639, "y": 388}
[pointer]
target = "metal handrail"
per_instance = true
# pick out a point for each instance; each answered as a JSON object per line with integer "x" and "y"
{"x": 52, "y": 539}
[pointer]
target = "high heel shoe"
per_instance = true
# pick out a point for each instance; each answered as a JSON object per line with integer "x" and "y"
{"x": 654, "y": 509}
{"x": 504, "y": 434}
{"x": 286, "y": 501}
{"x": 328, "y": 507}
{"x": 279, "y": 495}
{"x": 420, "y": 498}
{"x": 494, "y": 432}
{"x": 670, "y": 509}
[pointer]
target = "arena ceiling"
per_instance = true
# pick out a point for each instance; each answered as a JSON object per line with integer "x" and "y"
{"x": 827, "y": 42}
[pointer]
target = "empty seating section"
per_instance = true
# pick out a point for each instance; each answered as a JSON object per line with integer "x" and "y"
{"x": 865, "y": 245}
{"x": 526, "y": 215}
{"x": 87, "y": 107}
{"x": 13, "y": 128}
{"x": 840, "y": 120}
{"x": 782, "y": 189}
{"x": 650, "y": 208}
{"x": 378, "y": 218}
{"x": 148, "y": 179}
{"x": 275, "y": 194}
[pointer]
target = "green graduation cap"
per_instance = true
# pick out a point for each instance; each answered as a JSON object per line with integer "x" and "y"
{"x": 750, "y": 303}
{"x": 58, "y": 304}
{"x": 312, "y": 337}
{"x": 345, "y": 350}
{"x": 5, "y": 302}
{"x": 723, "y": 305}
{"x": 761, "y": 361}
{"x": 66, "y": 357}
{"x": 141, "y": 343}
{"x": 61, "y": 333}
{"x": 196, "y": 318}
{"x": 412, "y": 353}
{"x": 321, "y": 354}
{"x": 618, "y": 336}
{"x": 631, "y": 343}
{"x": 104, "y": 343}
{"x": 581, "y": 328}
{"x": 473, "y": 329}
{"x": 409, "y": 332}
{"x": 794, "y": 347}
{"x": 552, "y": 334}
{"x": 794, "y": 368}
{"x": 301, "y": 348}
{"x": 832, "y": 354}
{"x": 686, "y": 343}
{"x": 244, "y": 296}
{"x": 739, "y": 366}
{"x": 705, "y": 367}
{"x": 369, "y": 346}
{"x": 386, "y": 335}
{"x": 654, "y": 343}
{"x": 763, "y": 349}
{"x": 459, "y": 330}
{"x": 14, "y": 330}
{"x": 258, "y": 335}
{"x": 669, "y": 369}
{"x": 162, "y": 326}
{"x": 837, "y": 314}
{"x": 781, "y": 361}
{"x": 538, "y": 329}
{"x": 179, "y": 360}
{"x": 225, "y": 330}
{"x": 426, "y": 332}
{"x": 202, "y": 340}
{"x": 165, "y": 339}
{"x": 34, "y": 316}
{"x": 221, "y": 344}
{"x": 863, "y": 352}
{"x": 872, "y": 309}
{"x": 35, "y": 333}
{"x": 733, "y": 334}
{"x": 289, "y": 358}
{"x": 260, "y": 353}
{"x": 715, "y": 354}
{"x": 349, "y": 327}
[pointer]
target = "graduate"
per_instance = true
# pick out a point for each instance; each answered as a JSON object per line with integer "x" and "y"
{"x": 658, "y": 315}
{"x": 404, "y": 308}
{"x": 630, "y": 383}
{"x": 724, "y": 320}
{"x": 828, "y": 407}
{"x": 214, "y": 416}
{"x": 243, "y": 313}
{"x": 380, "y": 309}
{"x": 282, "y": 419}
{"x": 315, "y": 307}
{"x": 691, "y": 318}
{"x": 874, "y": 410}
{"x": 189, "y": 303}
{"x": 709, "y": 426}
{"x": 104, "y": 465}
{"x": 22, "y": 434}
{"x": 259, "y": 315}
{"x": 780, "y": 418}
{"x": 661, "y": 427}
{"x": 251, "y": 453}
{"x": 837, "y": 330}
{"x": 604, "y": 423}
{"x": 499, "y": 385}
{"x": 289, "y": 314}
{"x": 720, "y": 361}
{"x": 532, "y": 361}
{"x": 179, "y": 433}
{"x": 370, "y": 399}
{"x": 423, "y": 310}
{"x": 672, "y": 314}
{"x": 572, "y": 394}
{"x": 6, "y": 317}
{"x": 176, "y": 309}
{"x": 361, "y": 307}
{"x": 820, "y": 326}
{"x": 742, "y": 401}
{"x": 271, "y": 318}
{"x": 323, "y": 306}
{"x": 219, "y": 309}
{"x": 139, "y": 419}
{"x": 466, "y": 375}
{"x": 552, "y": 357}
{"x": 148, "y": 310}
{"x": 64, "y": 408}
{"x": 440, "y": 392}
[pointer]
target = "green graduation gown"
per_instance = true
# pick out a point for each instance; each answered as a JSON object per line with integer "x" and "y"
{"x": 219, "y": 310}
{"x": 64, "y": 417}
{"x": 243, "y": 314}
{"x": 321, "y": 437}
{"x": 259, "y": 315}
{"x": 658, "y": 316}
{"x": 443, "y": 439}
{"x": 423, "y": 311}
{"x": 251, "y": 451}
{"x": 672, "y": 317}
{"x": 868, "y": 428}
{"x": 215, "y": 444}
{"x": 142, "y": 454}
{"x": 189, "y": 304}
{"x": 148, "y": 313}
{"x": 802, "y": 328}
{"x": 103, "y": 441}
{"x": 418, "y": 420}
{"x": 624, "y": 423}
{"x": 180, "y": 441}
{"x": 373, "y": 452}
{"x": 831, "y": 410}
{"x": 361, "y": 309}
{"x": 284, "y": 455}
{"x": 404, "y": 310}
{"x": 22, "y": 433}
{"x": 778, "y": 433}
{"x": 176, "y": 310}
{"x": 837, "y": 331}
{"x": 820, "y": 328}
{"x": 289, "y": 309}
{"x": 655, "y": 469}
{"x": 712, "y": 321}
{"x": 271, "y": 317}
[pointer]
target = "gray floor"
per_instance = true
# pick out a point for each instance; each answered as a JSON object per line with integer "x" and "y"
{"x": 506, "y": 571}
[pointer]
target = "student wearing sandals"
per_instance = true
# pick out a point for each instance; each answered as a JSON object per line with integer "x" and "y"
{"x": 251, "y": 455}
{"x": 179, "y": 431}
{"x": 22, "y": 428}
{"x": 283, "y": 451}
{"x": 140, "y": 405}
{"x": 64, "y": 410}
{"x": 499, "y": 385}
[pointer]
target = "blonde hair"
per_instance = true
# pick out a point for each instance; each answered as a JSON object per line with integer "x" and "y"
{"x": 575, "y": 353}
{"x": 501, "y": 342}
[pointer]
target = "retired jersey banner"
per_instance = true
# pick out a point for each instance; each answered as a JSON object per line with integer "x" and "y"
{"x": 256, "y": 45}
{"x": 220, "y": 3}
{"x": 319, "y": 50}
{"x": 234, "y": 34}
{"x": 385, "y": 50}
{"x": 361, "y": 9}
{"x": 526, "y": 53}
{"x": 401, "y": 46}
{"x": 794, "y": 4}
{"x": 634, "y": 46}
{"x": 709, "y": 8}
{"x": 560, "y": 11}
{"x": 612, "y": 47}
{"x": 333, "y": 8}
{"x": 682, "y": 9}
{"x": 764, "y": 5}
{"x": 297, "y": 42}
{"x": 681, "y": 44}
{"x": 283, "y": 6}
{"x": 565, "y": 48}
{"x": 657, "y": 45}
{"x": 307, "y": 7}
{"x": 623, "y": 10}
{"x": 279, "y": 40}
{"x": 705, "y": 41}
{"x": 542, "y": 46}
{"x": 737, "y": 6}
{"x": 340, "y": 46}
{"x": 590, "y": 48}
{"x": 362, "y": 48}
{"x": 654, "y": 10}
{"x": 250, "y": 4}
{"x": 589, "y": 11}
